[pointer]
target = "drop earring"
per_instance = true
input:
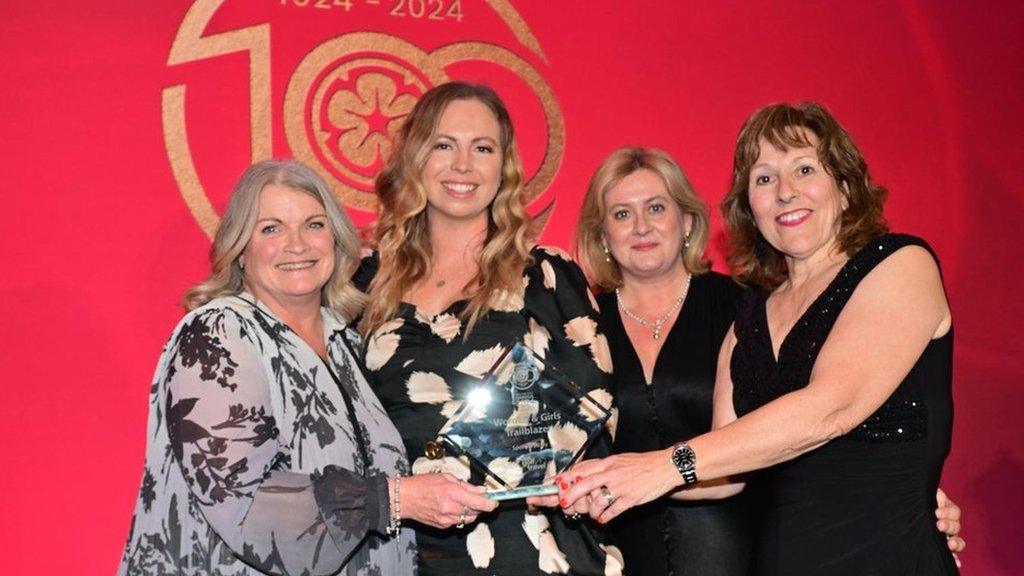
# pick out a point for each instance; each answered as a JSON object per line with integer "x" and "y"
{"x": 686, "y": 240}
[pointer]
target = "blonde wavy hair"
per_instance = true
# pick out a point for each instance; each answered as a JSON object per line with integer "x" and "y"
{"x": 602, "y": 270}
{"x": 236, "y": 227}
{"x": 400, "y": 234}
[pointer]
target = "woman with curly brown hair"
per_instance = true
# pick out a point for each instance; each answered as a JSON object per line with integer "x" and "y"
{"x": 835, "y": 378}
{"x": 451, "y": 284}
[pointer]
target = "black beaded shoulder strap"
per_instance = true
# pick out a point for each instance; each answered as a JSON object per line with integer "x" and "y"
{"x": 902, "y": 417}
{"x": 823, "y": 312}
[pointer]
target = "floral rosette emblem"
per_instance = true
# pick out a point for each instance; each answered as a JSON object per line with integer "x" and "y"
{"x": 361, "y": 118}
{"x": 347, "y": 97}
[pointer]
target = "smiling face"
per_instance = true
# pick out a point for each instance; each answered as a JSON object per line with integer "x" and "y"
{"x": 796, "y": 204}
{"x": 644, "y": 227}
{"x": 290, "y": 255}
{"x": 463, "y": 170}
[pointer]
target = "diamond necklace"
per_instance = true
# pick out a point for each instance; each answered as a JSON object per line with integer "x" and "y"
{"x": 656, "y": 325}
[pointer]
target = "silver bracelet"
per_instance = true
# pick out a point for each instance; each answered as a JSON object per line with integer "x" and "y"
{"x": 395, "y": 524}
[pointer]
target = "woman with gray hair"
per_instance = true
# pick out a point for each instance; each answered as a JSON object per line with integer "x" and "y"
{"x": 267, "y": 451}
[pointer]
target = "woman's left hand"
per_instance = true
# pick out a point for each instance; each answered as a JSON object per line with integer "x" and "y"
{"x": 608, "y": 487}
{"x": 948, "y": 515}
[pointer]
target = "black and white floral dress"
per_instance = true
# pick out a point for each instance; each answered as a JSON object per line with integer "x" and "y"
{"x": 422, "y": 366}
{"x": 262, "y": 458}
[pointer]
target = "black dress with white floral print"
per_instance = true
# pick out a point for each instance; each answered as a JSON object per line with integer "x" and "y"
{"x": 422, "y": 366}
{"x": 261, "y": 457}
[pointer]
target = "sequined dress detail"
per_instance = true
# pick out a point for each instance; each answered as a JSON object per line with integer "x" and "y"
{"x": 863, "y": 503}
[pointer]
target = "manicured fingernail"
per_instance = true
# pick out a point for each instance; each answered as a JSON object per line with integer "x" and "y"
{"x": 563, "y": 502}
{"x": 563, "y": 485}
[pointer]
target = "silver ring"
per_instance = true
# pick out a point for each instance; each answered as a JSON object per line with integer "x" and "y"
{"x": 607, "y": 495}
{"x": 575, "y": 516}
{"x": 462, "y": 518}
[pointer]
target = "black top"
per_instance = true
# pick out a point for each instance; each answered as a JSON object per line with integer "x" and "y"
{"x": 422, "y": 366}
{"x": 863, "y": 503}
{"x": 668, "y": 537}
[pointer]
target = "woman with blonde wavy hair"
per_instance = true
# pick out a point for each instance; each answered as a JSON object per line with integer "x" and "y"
{"x": 268, "y": 452}
{"x": 451, "y": 284}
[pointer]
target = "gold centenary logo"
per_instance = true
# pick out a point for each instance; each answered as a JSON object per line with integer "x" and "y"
{"x": 347, "y": 98}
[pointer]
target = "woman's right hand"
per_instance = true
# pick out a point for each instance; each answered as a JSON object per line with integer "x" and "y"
{"x": 442, "y": 500}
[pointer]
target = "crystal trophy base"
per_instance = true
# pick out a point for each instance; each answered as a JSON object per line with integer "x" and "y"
{"x": 523, "y": 424}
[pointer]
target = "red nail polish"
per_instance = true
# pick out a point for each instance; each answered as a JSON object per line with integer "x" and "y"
{"x": 578, "y": 478}
{"x": 563, "y": 502}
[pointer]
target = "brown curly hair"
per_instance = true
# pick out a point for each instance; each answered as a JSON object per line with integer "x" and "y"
{"x": 752, "y": 259}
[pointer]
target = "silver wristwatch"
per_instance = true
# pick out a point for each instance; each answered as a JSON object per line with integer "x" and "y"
{"x": 685, "y": 462}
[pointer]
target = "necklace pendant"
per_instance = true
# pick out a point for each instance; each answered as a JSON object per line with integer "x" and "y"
{"x": 657, "y": 336}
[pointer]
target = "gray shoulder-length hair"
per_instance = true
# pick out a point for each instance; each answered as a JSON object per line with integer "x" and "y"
{"x": 239, "y": 220}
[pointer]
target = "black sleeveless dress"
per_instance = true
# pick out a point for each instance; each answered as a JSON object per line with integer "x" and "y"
{"x": 863, "y": 503}
{"x": 666, "y": 537}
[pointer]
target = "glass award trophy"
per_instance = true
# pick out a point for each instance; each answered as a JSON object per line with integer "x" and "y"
{"x": 523, "y": 424}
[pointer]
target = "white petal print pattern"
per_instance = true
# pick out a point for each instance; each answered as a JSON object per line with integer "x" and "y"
{"x": 601, "y": 353}
{"x": 507, "y": 470}
{"x": 458, "y": 467}
{"x": 428, "y": 387}
{"x": 521, "y": 417}
{"x": 480, "y": 545}
{"x": 478, "y": 362}
{"x": 566, "y": 436}
{"x": 537, "y": 338}
{"x": 613, "y": 562}
{"x": 581, "y": 330}
{"x": 537, "y": 528}
{"x": 446, "y": 326}
{"x": 383, "y": 344}
{"x": 549, "y": 275}
{"x": 533, "y": 524}
{"x": 600, "y": 396}
{"x": 449, "y": 408}
{"x": 551, "y": 560}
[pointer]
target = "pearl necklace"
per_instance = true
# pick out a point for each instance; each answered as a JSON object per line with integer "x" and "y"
{"x": 656, "y": 325}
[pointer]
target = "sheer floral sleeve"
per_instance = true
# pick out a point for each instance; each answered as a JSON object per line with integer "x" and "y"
{"x": 224, "y": 435}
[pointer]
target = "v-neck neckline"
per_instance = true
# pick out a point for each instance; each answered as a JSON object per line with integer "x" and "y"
{"x": 421, "y": 315}
{"x": 801, "y": 320}
{"x": 670, "y": 335}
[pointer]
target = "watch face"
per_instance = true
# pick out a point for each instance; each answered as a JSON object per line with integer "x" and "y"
{"x": 683, "y": 457}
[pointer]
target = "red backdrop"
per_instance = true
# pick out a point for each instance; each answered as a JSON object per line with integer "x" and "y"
{"x": 122, "y": 150}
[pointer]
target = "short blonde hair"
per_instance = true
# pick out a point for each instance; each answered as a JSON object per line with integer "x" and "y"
{"x": 604, "y": 272}
{"x": 239, "y": 220}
